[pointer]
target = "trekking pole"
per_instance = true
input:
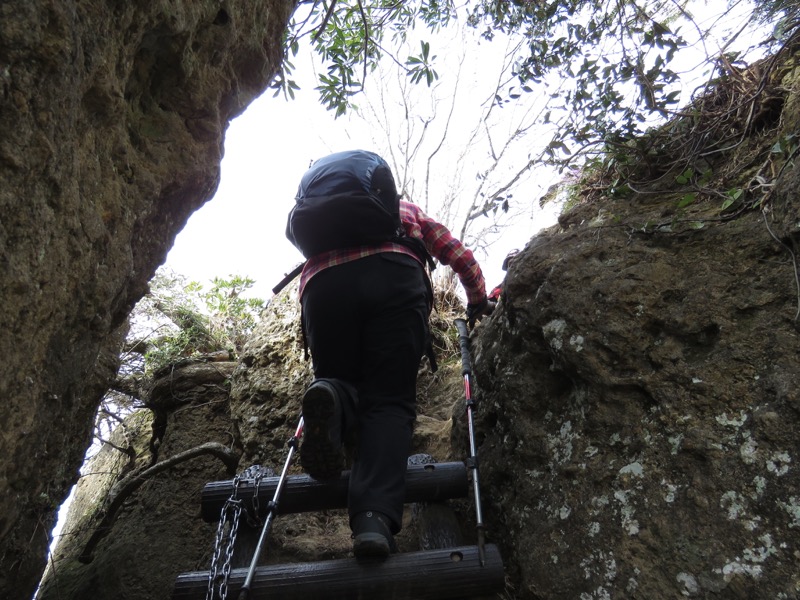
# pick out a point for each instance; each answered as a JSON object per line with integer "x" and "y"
{"x": 288, "y": 277}
{"x": 466, "y": 371}
{"x": 272, "y": 508}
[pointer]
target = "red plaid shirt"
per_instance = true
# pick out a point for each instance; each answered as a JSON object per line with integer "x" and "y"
{"x": 437, "y": 239}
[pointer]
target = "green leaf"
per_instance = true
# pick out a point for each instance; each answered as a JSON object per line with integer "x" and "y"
{"x": 558, "y": 145}
{"x": 685, "y": 177}
{"x": 687, "y": 200}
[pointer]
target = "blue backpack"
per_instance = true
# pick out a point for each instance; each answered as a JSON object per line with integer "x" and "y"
{"x": 345, "y": 200}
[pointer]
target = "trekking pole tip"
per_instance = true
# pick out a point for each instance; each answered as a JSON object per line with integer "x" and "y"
{"x": 481, "y": 546}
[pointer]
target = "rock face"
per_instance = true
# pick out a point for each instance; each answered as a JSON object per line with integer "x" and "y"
{"x": 640, "y": 405}
{"x": 130, "y": 533}
{"x": 112, "y": 118}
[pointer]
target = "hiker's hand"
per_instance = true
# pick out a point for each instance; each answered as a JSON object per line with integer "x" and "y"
{"x": 476, "y": 311}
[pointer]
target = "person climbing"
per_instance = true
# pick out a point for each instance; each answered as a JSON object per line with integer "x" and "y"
{"x": 365, "y": 316}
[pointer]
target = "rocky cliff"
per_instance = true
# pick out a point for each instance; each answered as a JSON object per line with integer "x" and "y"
{"x": 112, "y": 117}
{"x": 637, "y": 417}
{"x": 133, "y": 524}
{"x": 640, "y": 406}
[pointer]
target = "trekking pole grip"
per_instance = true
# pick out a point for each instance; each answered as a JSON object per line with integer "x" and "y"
{"x": 463, "y": 340}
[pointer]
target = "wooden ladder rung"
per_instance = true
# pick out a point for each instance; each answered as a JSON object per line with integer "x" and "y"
{"x": 424, "y": 483}
{"x": 424, "y": 575}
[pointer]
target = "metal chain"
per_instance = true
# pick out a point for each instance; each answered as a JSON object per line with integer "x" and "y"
{"x": 223, "y": 544}
{"x": 226, "y": 565}
{"x": 228, "y": 527}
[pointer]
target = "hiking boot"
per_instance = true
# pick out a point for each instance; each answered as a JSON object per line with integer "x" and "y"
{"x": 321, "y": 450}
{"x": 372, "y": 536}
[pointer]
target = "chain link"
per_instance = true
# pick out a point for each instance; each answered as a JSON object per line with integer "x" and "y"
{"x": 256, "y": 473}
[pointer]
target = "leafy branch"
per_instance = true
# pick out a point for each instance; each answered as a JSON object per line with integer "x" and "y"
{"x": 176, "y": 321}
{"x": 618, "y": 57}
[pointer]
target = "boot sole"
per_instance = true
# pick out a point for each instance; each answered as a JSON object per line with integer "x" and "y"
{"x": 320, "y": 457}
{"x": 371, "y": 545}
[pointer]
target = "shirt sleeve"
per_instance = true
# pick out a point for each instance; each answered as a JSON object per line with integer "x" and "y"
{"x": 445, "y": 248}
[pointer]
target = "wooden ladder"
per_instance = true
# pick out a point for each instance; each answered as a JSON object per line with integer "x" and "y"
{"x": 435, "y": 574}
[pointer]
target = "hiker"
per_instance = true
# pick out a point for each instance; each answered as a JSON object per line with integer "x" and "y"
{"x": 365, "y": 312}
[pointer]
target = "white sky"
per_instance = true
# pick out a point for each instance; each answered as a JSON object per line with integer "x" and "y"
{"x": 267, "y": 149}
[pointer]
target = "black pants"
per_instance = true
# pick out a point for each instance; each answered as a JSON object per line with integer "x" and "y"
{"x": 366, "y": 323}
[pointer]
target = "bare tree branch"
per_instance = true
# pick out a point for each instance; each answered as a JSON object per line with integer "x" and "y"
{"x": 128, "y": 451}
{"x": 129, "y": 386}
{"x": 325, "y": 20}
{"x": 365, "y": 23}
{"x": 128, "y": 485}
